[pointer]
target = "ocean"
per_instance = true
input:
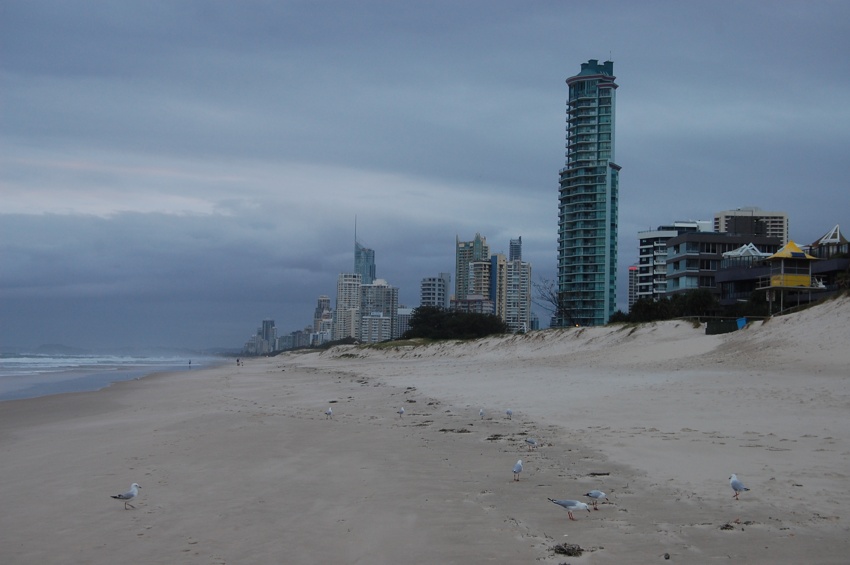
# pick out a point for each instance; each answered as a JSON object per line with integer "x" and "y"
{"x": 32, "y": 375}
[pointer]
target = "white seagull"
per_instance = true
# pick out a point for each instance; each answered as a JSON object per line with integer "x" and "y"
{"x": 517, "y": 469}
{"x": 532, "y": 443}
{"x": 481, "y": 413}
{"x": 401, "y": 412}
{"x": 596, "y": 496}
{"x": 510, "y": 413}
{"x": 329, "y": 413}
{"x": 737, "y": 485}
{"x": 129, "y": 495}
{"x": 571, "y": 505}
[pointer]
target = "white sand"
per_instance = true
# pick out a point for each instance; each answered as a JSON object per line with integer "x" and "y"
{"x": 240, "y": 464}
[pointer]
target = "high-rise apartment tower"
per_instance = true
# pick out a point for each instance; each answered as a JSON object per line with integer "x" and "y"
{"x": 467, "y": 252}
{"x": 588, "y": 201}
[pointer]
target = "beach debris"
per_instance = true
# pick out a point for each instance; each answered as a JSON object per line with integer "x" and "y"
{"x": 329, "y": 413}
{"x": 495, "y": 437}
{"x": 737, "y": 485}
{"x": 532, "y": 443}
{"x": 666, "y": 556}
{"x": 517, "y": 469}
{"x": 568, "y": 549}
{"x": 596, "y": 496}
{"x": 571, "y": 505}
{"x": 455, "y": 430}
{"x": 727, "y": 526}
{"x": 599, "y": 474}
{"x": 129, "y": 495}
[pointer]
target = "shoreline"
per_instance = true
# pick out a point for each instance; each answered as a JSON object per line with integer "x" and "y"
{"x": 241, "y": 464}
{"x": 72, "y": 380}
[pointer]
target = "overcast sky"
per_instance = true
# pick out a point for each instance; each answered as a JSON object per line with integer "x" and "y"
{"x": 172, "y": 173}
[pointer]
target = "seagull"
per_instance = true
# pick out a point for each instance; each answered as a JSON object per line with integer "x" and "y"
{"x": 509, "y": 413}
{"x": 571, "y": 505}
{"x": 517, "y": 469}
{"x": 481, "y": 413}
{"x": 329, "y": 413}
{"x": 596, "y": 496}
{"x": 737, "y": 485}
{"x": 401, "y": 412}
{"x": 129, "y": 495}
{"x": 532, "y": 443}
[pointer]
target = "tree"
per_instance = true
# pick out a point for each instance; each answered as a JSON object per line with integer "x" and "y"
{"x": 550, "y": 298}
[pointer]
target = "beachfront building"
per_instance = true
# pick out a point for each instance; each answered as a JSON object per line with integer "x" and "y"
{"x": 402, "y": 321}
{"x": 588, "y": 200}
{"x": 378, "y": 299}
{"x": 517, "y": 284}
{"x": 435, "y": 291}
{"x": 347, "y": 312}
{"x": 694, "y": 258}
{"x": 633, "y": 280}
{"x": 753, "y": 221}
{"x": 375, "y": 327}
{"x": 364, "y": 263}
{"x": 652, "y": 257}
{"x": 474, "y": 304}
{"x": 467, "y": 252}
{"x": 832, "y": 270}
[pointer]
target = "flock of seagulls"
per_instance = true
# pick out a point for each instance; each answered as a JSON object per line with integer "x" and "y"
{"x": 570, "y": 505}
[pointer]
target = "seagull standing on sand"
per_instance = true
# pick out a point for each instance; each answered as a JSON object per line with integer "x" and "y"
{"x": 596, "y": 496}
{"x": 481, "y": 413}
{"x": 329, "y": 413}
{"x": 532, "y": 443}
{"x": 510, "y": 413}
{"x": 517, "y": 469}
{"x": 129, "y": 495}
{"x": 737, "y": 485}
{"x": 401, "y": 412}
{"x": 571, "y": 505}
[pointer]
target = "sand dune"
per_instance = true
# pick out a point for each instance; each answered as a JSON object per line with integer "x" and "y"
{"x": 241, "y": 465}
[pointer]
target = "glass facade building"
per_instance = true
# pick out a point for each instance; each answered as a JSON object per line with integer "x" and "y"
{"x": 588, "y": 201}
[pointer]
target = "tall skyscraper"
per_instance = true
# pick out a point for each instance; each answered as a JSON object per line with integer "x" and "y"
{"x": 364, "y": 263}
{"x": 467, "y": 252}
{"x": 588, "y": 200}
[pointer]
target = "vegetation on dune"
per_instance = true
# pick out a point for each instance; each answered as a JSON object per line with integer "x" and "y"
{"x": 433, "y": 322}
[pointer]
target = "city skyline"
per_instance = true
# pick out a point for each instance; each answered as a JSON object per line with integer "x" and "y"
{"x": 171, "y": 174}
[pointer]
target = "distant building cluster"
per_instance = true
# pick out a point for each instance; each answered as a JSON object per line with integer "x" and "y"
{"x": 367, "y": 310}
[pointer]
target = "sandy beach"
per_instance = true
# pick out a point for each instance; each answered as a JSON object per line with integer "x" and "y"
{"x": 240, "y": 464}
